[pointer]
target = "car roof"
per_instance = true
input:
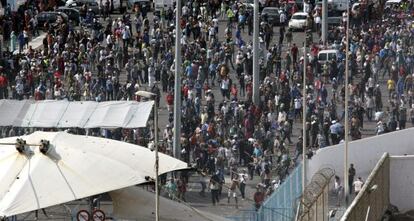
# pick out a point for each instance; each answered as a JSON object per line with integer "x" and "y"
{"x": 49, "y": 12}
{"x": 68, "y": 8}
{"x": 329, "y": 51}
{"x": 301, "y": 13}
{"x": 271, "y": 8}
{"x": 393, "y": 1}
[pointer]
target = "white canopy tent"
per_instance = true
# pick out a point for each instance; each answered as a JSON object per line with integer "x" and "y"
{"x": 74, "y": 167}
{"x": 81, "y": 114}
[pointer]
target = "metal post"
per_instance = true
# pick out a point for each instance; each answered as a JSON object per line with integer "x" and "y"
{"x": 157, "y": 194}
{"x": 324, "y": 21}
{"x": 346, "y": 109}
{"x": 367, "y": 215}
{"x": 177, "y": 87}
{"x": 256, "y": 68}
{"x": 304, "y": 119}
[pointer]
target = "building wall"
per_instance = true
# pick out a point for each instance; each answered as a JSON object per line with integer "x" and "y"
{"x": 364, "y": 153}
{"x": 402, "y": 182}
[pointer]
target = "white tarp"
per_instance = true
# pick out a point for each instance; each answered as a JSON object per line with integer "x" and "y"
{"x": 75, "y": 167}
{"x": 12, "y": 111}
{"x": 81, "y": 114}
{"x": 134, "y": 203}
{"x": 83, "y": 111}
{"x": 45, "y": 114}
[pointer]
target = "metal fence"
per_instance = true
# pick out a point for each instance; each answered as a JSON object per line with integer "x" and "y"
{"x": 314, "y": 201}
{"x": 281, "y": 205}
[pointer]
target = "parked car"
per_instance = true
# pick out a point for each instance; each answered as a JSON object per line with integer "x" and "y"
{"x": 50, "y": 17}
{"x": 327, "y": 55}
{"x": 146, "y": 3}
{"x": 78, "y": 4}
{"x": 393, "y": 3}
{"x": 271, "y": 14}
{"x": 298, "y": 21}
{"x": 72, "y": 13}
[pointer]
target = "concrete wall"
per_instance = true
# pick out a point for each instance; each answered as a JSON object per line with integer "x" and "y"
{"x": 364, "y": 153}
{"x": 402, "y": 182}
{"x": 375, "y": 201}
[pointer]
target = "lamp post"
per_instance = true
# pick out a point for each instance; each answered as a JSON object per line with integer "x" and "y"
{"x": 177, "y": 85}
{"x": 153, "y": 96}
{"x": 256, "y": 68}
{"x": 324, "y": 21}
{"x": 346, "y": 182}
{"x": 304, "y": 148}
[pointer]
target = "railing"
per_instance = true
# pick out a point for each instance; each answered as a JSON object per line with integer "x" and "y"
{"x": 281, "y": 205}
{"x": 314, "y": 200}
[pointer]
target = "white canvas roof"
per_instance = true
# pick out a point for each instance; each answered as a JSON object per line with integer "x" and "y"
{"x": 81, "y": 114}
{"x": 75, "y": 167}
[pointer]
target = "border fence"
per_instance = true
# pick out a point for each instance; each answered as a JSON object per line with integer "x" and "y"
{"x": 314, "y": 200}
{"x": 281, "y": 205}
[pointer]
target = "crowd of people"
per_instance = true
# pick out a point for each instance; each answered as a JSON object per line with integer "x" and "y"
{"x": 112, "y": 57}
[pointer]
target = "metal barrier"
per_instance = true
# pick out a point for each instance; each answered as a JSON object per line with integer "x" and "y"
{"x": 281, "y": 205}
{"x": 314, "y": 200}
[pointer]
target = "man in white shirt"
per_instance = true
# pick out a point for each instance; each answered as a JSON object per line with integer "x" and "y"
{"x": 306, "y": 7}
{"x": 282, "y": 18}
{"x": 225, "y": 84}
{"x": 243, "y": 179}
{"x": 358, "y": 184}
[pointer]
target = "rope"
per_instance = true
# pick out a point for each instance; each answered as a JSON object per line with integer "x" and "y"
{"x": 13, "y": 144}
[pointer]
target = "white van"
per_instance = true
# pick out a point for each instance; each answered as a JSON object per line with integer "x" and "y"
{"x": 327, "y": 55}
{"x": 392, "y": 3}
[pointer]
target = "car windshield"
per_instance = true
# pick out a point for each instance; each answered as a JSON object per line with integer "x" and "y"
{"x": 332, "y": 56}
{"x": 322, "y": 57}
{"x": 270, "y": 11}
{"x": 299, "y": 17}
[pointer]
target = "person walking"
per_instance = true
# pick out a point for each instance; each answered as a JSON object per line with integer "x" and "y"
{"x": 243, "y": 180}
{"x": 214, "y": 186}
{"x": 358, "y": 184}
{"x": 232, "y": 190}
{"x": 351, "y": 176}
{"x": 338, "y": 189}
{"x": 258, "y": 197}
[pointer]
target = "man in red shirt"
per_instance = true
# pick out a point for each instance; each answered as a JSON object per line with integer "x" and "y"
{"x": 258, "y": 197}
{"x": 294, "y": 52}
{"x": 3, "y": 86}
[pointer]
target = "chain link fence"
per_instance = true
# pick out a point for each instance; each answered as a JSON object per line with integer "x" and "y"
{"x": 314, "y": 200}
{"x": 281, "y": 205}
